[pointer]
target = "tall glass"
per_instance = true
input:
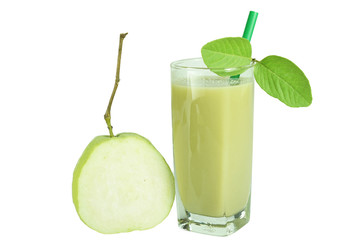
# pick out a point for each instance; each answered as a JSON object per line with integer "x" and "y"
{"x": 212, "y": 121}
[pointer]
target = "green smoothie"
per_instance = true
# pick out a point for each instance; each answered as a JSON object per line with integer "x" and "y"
{"x": 212, "y": 137}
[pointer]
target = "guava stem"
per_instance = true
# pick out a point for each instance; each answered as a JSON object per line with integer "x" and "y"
{"x": 107, "y": 115}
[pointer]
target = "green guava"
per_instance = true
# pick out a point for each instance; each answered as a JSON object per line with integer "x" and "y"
{"x": 121, "y": 184}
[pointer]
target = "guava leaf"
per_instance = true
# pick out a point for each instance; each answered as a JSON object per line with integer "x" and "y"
{"x": 282, "y": 79}
{"x": 223, "y": 54}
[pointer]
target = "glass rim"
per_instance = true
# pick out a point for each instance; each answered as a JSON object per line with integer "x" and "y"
{"x": 179, "y": 64}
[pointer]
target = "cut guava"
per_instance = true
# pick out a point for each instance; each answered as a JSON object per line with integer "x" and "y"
{"x": 121, "y": 184}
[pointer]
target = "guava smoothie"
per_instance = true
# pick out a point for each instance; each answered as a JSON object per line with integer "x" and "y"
{"x": 212, "y": 138}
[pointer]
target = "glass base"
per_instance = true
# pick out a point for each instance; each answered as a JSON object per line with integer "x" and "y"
{"x": 217, "y": 226}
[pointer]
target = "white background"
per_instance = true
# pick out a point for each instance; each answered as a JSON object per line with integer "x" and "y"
{"x": 57, "y": 70}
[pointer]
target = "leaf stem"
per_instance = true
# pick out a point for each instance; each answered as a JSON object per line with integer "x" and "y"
{"x": 254, "y": 60}
{"x": 107, "y": 115}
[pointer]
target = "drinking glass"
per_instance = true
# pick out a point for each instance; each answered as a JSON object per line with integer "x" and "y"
{"x": 212, "y": 123}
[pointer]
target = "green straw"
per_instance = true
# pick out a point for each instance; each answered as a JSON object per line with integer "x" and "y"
{"x": 250, "y": 25}
{"x": 249, "y": 29}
